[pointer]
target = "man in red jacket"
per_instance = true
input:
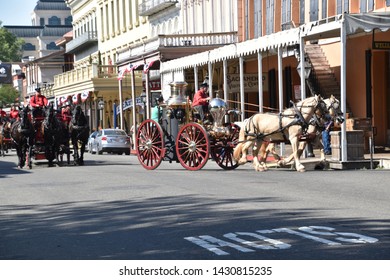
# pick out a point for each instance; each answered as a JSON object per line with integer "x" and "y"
{"x": 201, "y": 100}
{"x": 37, "y": 103}
{"x": 14, "y": 114}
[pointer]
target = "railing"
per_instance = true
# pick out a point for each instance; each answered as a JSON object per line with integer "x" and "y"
{"x": 85, "y": 73}
{"x": 87, "y": 37}
{"x": 179, "y": 40}
{"x": 150, "y": 7}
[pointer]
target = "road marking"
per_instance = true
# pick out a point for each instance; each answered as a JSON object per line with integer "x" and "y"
{"x": 260, "y": 241}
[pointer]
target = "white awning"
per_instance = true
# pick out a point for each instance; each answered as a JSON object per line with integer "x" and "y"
{"x": 367, "y": 22}
{"x": 281, "y": 39}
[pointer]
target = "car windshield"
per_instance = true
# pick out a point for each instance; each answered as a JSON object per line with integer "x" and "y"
{"x": 115, "y": 132}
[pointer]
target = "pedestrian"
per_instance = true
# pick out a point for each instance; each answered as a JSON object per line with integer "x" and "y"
{"x": 326, "y": 137}
{"x": 201, "y": 101}
{"x": 156, "y": 110}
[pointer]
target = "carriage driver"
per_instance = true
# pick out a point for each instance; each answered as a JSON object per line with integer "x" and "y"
{"x": 201, "y": 100}
{"x": 37, "y": 103}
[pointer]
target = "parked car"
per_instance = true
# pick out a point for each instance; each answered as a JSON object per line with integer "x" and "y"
{"x": 111, "y": 141}
{"x": 91, "y": 140}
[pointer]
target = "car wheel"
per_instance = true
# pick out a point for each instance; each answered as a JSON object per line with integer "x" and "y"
{"x": 127, "y": 153}
{"x": 120, "y": 153}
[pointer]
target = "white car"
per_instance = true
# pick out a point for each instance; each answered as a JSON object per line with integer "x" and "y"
{"x": 111, "y": 141}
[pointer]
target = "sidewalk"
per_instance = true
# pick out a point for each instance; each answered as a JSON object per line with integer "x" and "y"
{"x": 379, "y": 160}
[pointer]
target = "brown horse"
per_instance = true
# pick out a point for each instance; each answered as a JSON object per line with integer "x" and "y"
{"x": 287, "y": 126}
{"x": 22, "y": 133}
{"x": 5, "y": 138}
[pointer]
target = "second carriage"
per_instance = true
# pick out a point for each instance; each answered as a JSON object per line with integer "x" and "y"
{"x": 179, "y": 137}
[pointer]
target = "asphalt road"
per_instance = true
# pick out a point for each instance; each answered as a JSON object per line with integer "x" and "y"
{"x": 113, "y": 209}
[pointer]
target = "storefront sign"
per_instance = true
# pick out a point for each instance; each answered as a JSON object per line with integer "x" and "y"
{"x": 251, "y": 82}
{"x": 381, "y": 45}
{"x": 127, "y": 104}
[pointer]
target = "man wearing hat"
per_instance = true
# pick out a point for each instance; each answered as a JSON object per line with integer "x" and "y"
{"x": 201, "y": 100}
{"x": 37, "y": 103}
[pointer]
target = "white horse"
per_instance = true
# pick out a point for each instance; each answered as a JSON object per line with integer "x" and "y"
{"x": 268, "y": 127}
{"x": 313, "y": 134}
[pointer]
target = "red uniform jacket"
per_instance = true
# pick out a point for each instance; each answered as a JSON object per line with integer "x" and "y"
{"x": 38, "y": 101}
{"x": 14, "y": 114}
{"x": 200, "y": 98}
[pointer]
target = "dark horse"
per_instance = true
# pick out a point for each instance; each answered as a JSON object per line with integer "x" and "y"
{"x": 5, "y": 138}
{"x": 79, "y": 132}
{"x": 52, "y": 134}
{"x": 22, "y": 133}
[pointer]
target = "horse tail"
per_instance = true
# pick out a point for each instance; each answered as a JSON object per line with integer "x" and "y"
{"x": 237, "y": 151}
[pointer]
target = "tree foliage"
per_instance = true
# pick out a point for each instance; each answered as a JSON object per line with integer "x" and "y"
{"x": 11, "y": 46}
{"x": 8, "y": 95}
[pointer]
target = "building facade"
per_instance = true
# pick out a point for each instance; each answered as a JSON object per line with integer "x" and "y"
{"x": 350, "y": 36}
{"x": 42, "y": 58}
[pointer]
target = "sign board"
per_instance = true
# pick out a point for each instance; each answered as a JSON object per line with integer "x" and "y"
{"x": 251, "y": 82}
{"x": 381, "y": 45}
{"x": 297, "y": 92}
{"x": 5, "y": 73}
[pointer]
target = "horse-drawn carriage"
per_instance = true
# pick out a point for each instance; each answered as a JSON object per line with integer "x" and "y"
{"x": 178, "y": 136}
{"x": 46, "y": 137}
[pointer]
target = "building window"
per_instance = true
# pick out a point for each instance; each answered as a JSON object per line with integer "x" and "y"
{"x": 124, "y": 13}
{"x": 387, "y": 3}
{"x": 41, "y": 21}
{"x": 54, "y": 21}
{"x": 68, "y": 20}
{"x": 270, "y": 9}
{"x": 342, "y": 6}
{"x": 286, "y": 14}
{"x": 28, "y": 47}
{"x": 366, "y": 6}
{"x": 302, "y": 12}
{"x": 52, "y": 46}
{"x": 246, "y": 8}
{"x": 313, "y": 10}
{"x": 258, "y": 19}
{"x": 102, "y": 21}
{"x": 324, "y": 9}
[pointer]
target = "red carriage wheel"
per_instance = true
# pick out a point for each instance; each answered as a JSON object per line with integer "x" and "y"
{"x": 222, "y": 150}
{"x": 150, "y": 144}
{"x": 192, "y": 146}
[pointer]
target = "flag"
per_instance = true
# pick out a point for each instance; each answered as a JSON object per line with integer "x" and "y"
{"x": 84, "y": 95}
{"x": 147, "y": 66}
{"x": 75, "y": 98}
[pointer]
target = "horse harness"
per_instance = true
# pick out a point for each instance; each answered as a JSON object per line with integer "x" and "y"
{"x": 298, "y": 120}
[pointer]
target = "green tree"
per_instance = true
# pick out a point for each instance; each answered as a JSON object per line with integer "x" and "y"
{"x": 8, "y": 95}
{"x": 11, "y": 46}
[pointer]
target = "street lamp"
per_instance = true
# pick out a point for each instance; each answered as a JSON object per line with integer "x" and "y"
{"x": 101, "y": 108}
{"x": 307, "y": 68}
{"x": 143, "y": 100}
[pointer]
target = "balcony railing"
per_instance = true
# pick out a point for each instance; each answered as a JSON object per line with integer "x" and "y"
{"x": 179, "y": 40}
{"x": 150, "y": 7}
{"x": 86, "y": 38}
{"x": 85, "y": 73}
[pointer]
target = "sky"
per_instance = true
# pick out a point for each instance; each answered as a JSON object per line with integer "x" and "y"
{"x": 16, "y": 12}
